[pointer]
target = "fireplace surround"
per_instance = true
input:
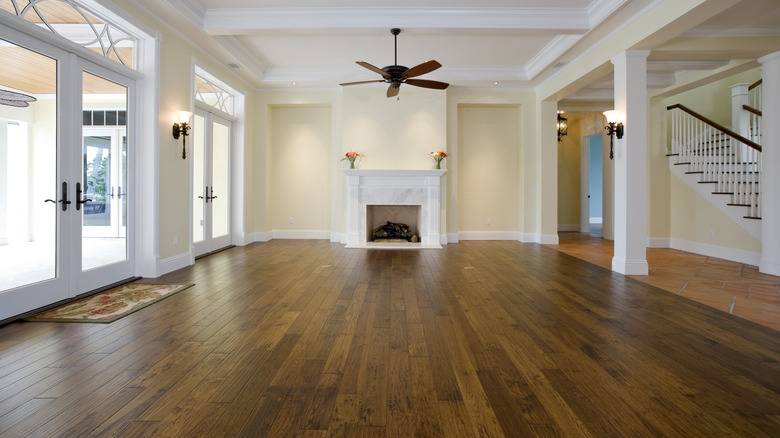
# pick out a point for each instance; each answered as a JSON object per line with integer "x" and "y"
{"x": 416, "y": 187}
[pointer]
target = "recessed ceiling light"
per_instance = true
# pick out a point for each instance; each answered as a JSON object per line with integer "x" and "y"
{"x": 495, "y": 83}
{"x": 295, "y": 83}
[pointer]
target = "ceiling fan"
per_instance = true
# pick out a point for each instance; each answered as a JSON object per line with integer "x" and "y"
{"x": 395, "y": 74}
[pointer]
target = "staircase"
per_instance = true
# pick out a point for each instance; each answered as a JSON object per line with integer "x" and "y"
{"x": 720, "y": 164}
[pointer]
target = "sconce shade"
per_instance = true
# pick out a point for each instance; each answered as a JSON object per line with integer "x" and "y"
{"x": 611, "y": 115}
{"x": 183, "y": 116}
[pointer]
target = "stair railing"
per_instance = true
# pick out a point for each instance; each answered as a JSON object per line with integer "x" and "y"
{"x": 720, "y": 155}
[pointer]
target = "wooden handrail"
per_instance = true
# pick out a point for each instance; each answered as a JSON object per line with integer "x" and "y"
{"x": 755, "y": 84}
{"x": 750, "y": 109}
{"x": 717, "y": 126}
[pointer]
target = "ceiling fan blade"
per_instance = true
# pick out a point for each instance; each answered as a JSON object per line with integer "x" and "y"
{"x": 362, "y": 82}
{"x": 392, "y": 91}
{"x": 427, "y": 84}
{"x": 421, "y": 69}
{"x": 372, "y": 68}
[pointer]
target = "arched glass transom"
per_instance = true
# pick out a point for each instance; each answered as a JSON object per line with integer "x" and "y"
{"x": 74, "y": 22}
{"x": 213, "y": 95}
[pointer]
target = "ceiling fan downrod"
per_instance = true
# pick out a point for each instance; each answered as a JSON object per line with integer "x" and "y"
{"x": 395, "y": 31}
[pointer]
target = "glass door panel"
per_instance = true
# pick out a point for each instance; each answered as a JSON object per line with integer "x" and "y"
{"x": 220, "y": 184}
{"x": 103, "y": 174}
{"x": 28, "y": 167}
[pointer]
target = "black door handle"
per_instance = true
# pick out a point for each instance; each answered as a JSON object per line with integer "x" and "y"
{"x": 212, "y": 194}
{"x": 80, "y": 201}
{"x": 64, "y": 200}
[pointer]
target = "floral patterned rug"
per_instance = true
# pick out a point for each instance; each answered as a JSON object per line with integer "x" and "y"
{"x": 110, "y": 305}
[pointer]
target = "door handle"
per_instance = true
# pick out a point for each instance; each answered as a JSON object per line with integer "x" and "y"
{"x": 64, "y": 199}
{"x": 119, "y": 192}
{"x": 112, "y": 192}
{"x": 80, "y": 201}
{"x": 206, "y": 192}
{"x": 212, "y": 194}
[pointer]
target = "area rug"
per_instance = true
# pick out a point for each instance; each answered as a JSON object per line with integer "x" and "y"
{"x": 110, "y": 305}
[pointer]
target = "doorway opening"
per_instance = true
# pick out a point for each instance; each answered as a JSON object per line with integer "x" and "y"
{"x": 595, "y": 185}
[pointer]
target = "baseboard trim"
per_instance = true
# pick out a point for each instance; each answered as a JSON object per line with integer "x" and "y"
{"x": 568, "y": 227}
{"x": 174, "y": 263}
{"x": 659, "y": 242}
{"x": 721, "y": 252}
{"x": 488, "y": 235}
{"x": 300, "y": 234}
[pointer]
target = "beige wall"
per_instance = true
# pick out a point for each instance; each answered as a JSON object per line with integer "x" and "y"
{"x": 301, "y": 159}
{"x": 174, "y": 175}
{"x": 394, "y": 133}
{"x": 488, "y": 181}
{"x": 714, "y": 100}
{"x": 569, "y": 171}
{"x": 694, "y": 218}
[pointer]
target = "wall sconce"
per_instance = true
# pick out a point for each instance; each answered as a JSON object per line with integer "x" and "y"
{"x": 614, "y": 127}
{"x": 182, "y": 128}
{"x": 563, "y": 126}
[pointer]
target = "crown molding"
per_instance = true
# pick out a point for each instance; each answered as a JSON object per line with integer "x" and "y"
{"x": 557, "y": 47}
{"x": 748, "y": 31}
{"x": 193, "y": 10}
{"x": 342, "y": 74}
{"x": 599, "y": 10}
{"x": 243, "y": 56}
{"x": 248, "y": 20}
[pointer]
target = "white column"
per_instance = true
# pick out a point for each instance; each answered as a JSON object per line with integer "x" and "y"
{"x": 769, "y": 186}
{"x": 434, "y": 210}
{"x": 353, "y": 212}
{"x": 5, "y": 186}
{"x": 630, "y": 187}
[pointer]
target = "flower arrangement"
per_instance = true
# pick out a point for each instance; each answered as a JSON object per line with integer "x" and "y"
{"x": 351, "y": 157}
{"x": 438, "y": 156}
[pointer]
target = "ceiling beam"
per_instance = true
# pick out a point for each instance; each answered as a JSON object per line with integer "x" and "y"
{"x": 246, "y": 21}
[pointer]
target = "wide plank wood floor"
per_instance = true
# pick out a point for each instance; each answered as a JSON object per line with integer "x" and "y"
{"x": 309, "y": 339}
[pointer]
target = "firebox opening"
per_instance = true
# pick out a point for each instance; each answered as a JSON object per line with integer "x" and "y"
{"x": 378, "y": 216}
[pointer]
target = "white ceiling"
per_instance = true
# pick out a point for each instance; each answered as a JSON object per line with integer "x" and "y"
{"x": 485, "y": 43}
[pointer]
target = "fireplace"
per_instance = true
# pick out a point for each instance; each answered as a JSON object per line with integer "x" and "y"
{"x": 403, "y": 195}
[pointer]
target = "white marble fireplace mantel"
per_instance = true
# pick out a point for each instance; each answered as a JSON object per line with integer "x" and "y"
{"x": 394, "y": 187}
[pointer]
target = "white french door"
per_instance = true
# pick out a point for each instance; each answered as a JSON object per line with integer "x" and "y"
{"x": 50, "y": 178}
{"x": 211, "y": 209}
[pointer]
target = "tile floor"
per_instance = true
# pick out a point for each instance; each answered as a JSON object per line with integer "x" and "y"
{"x": 729, "y": 286}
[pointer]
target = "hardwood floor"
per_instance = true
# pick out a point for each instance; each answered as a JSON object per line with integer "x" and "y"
{"x": 309, "y": 339}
